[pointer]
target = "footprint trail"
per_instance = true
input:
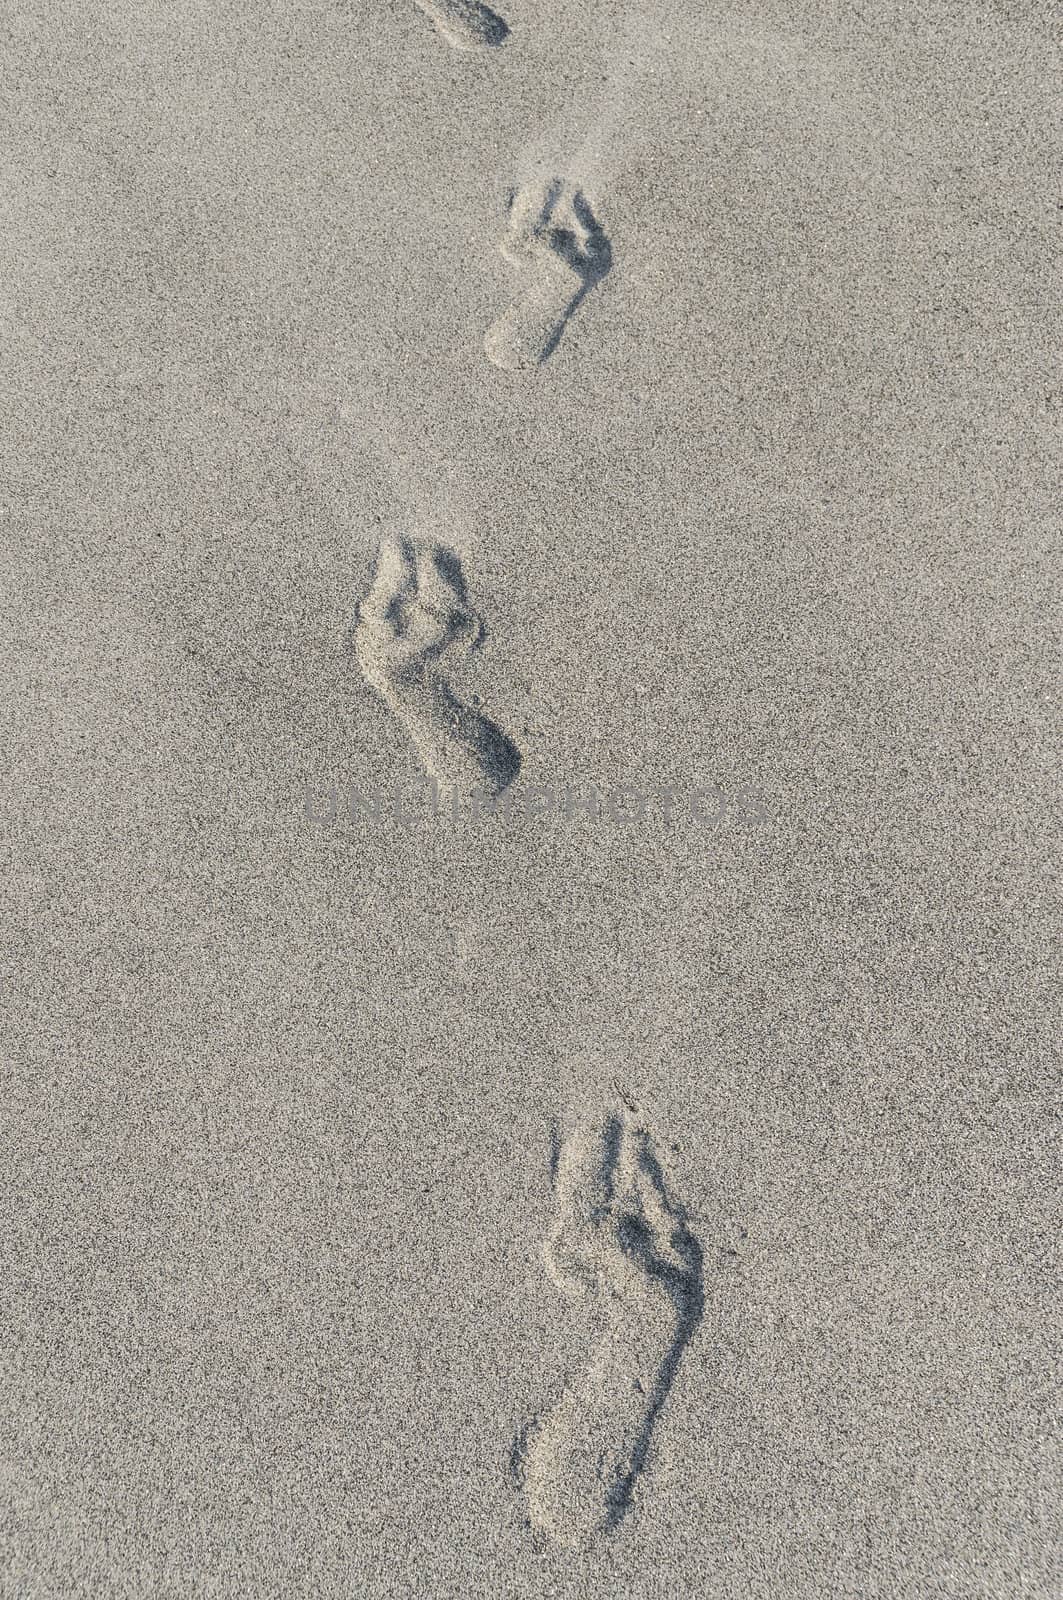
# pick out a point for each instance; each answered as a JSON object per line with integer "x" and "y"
{"x": 466, "y": 24}
{"x": 558, "y": 246}
{"x": 615, "y": 1242}
{"x": 417, "y": 609}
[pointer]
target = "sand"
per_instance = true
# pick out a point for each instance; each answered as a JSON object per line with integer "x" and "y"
{"x": 428, "y": 1171}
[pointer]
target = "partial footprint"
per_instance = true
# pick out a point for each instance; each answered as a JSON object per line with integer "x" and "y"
{"x": 616, "y": 1241}
{"x": 414, "y": 611}
{"x": 466, "y": 24}
{"x": 558, "y": 245}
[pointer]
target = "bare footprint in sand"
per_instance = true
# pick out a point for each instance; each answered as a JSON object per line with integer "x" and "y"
{"x": 414, "y": 611}
{"x": 466, "y": 24}
{"x": 558, "y": 245}
{"x": 615, "y": 1241}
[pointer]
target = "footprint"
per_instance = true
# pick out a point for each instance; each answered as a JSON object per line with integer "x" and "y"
{"x": 615, "y": 1241}
{"x": 556, "y": 241}
{"x": 415, "y": 610}
{"x": 466, "y": 24}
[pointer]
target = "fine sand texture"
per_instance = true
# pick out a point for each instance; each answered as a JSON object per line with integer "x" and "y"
{"x": 528, "y": 939}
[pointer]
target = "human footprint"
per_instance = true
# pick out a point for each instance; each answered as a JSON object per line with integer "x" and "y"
{"x": 466, "y": 24}
{"x": 556, "y": 242}
{"x": 616, "y": 1241}
{"x": 415, "y": 610}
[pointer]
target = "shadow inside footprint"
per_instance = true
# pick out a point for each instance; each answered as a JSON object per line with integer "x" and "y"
{"x": 496, "y": 755}
{"x": 588, "y": 253}
{"x": 449, "y": 567}
{"x": 684, "y": 1286}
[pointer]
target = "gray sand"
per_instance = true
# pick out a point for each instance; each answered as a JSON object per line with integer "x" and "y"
{"x": 282, "y": 1099}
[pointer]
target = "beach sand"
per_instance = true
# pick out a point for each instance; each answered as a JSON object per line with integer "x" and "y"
{"x": 527, "y": 1202}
